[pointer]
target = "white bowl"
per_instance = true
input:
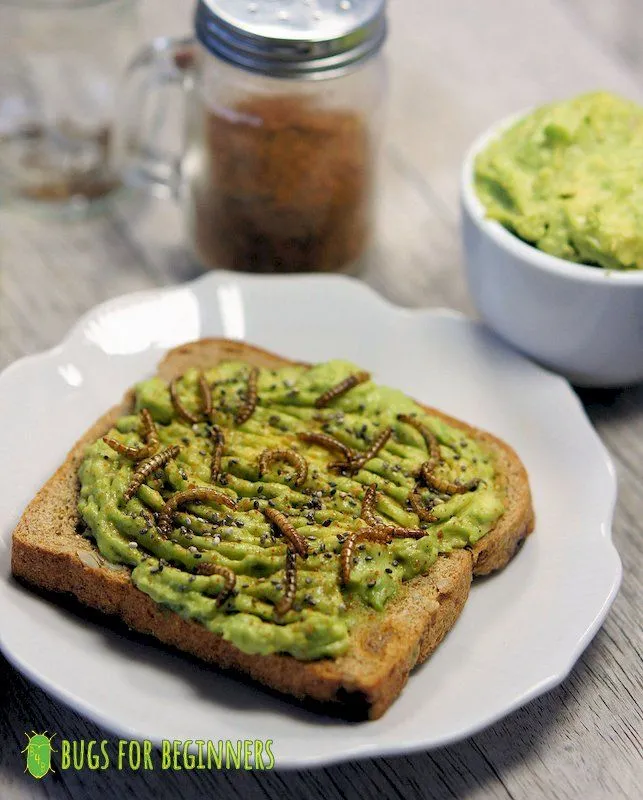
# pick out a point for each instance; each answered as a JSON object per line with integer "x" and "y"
{"x": 583, "y": 322}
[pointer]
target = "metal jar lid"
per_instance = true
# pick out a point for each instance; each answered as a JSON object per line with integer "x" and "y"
{"x": 292, "y": 38}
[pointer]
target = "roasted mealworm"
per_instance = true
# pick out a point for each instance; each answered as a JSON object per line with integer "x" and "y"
{"x": 398, "y": 532}
{"x": 445, "y": 486}
{"x": 250, "y": 403}
{"x": 217, "y": 453}
{"x": 329, "y": 442}
{"x": 290, "y": 580}
{"x": 150, "y": 435}
{"x": 148, "y": 467}
{"x": 122, "y": 449}
{"x": 229, "y": 579}
{"x": 180, "y": 409}
{"x": 341, "y": 388}
{"x": 431, "y": 441}
{"x": 291, "y": 457}
{"x": 382, "y": 535}
{"x": 418, "y": 506}
{"x": 298, "y": 543}
{"x": 206, "y": 396}
{"x": 368, "y": 507}
{"x": 360, "y": 459}
{"x": 190, "y": 496}
{"x": 406, "y": 533}
{"x": 148, "y": 516}
{"x": 379, "y": 533}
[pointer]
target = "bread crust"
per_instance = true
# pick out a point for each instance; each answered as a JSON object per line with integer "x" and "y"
{"x": 49, "y": 553}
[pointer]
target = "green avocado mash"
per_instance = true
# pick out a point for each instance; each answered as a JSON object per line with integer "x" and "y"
{"x": 325, "y": 509}
{"x": 568, "y": 179}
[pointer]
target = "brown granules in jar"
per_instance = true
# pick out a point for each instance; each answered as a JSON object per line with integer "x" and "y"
{"x": 286, "y": 187}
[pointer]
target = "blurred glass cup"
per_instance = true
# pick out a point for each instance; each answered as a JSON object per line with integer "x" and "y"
{"x": 61, "y": 63}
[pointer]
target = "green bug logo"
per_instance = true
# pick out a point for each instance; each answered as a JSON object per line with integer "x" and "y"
{"x": 39, "y": 752}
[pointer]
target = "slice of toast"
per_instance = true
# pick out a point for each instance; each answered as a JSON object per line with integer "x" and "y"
{"x": 49, "y": 553}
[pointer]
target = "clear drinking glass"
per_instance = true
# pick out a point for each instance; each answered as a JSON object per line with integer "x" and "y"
{"x": 61, "y": 62}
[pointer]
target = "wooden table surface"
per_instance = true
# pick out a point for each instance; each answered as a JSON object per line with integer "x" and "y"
{"x": 456, "y": 67}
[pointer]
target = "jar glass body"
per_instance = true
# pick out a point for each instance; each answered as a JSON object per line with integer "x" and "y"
{"x": 278, "y": 174}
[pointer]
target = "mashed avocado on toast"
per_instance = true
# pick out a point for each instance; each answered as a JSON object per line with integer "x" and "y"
{"x": 568, "y": 179}
{"x": 283, "y": 501}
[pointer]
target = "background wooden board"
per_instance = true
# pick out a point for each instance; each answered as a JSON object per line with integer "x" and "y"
{"x": 456, "y": 67}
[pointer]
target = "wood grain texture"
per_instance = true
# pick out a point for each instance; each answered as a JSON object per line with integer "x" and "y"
{"x": 456, "y": 67}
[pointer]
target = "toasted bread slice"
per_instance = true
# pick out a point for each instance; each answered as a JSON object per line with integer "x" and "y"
{"x": 49, "y": 553}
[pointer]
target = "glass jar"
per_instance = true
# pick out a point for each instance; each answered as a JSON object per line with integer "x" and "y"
{"x": 60, "y": 64}
{"x": 283, "y": 105}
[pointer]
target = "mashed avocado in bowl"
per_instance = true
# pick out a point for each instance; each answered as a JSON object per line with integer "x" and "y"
{"x": 568, "y": 179}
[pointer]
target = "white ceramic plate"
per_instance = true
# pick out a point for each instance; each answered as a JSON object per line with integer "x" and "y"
{"x": 520, "y": 632}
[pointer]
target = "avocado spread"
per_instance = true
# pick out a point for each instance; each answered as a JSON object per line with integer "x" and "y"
{"x": 568, "y": 179}
{"x": 167, "y": 563}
